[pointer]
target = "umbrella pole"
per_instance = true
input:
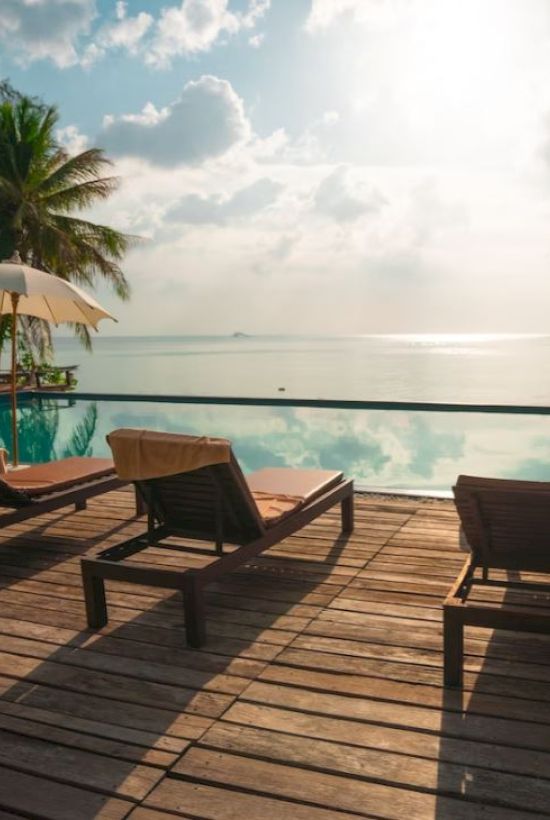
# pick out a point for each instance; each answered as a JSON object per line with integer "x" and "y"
{"x": 15, "y": 448}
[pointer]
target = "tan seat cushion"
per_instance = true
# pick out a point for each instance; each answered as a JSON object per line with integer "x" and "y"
{"x": 279, "y": 491}
{"x": 305, "y": 484}
{"x": 274, "y": 507}
{"x": 54, "y": 476}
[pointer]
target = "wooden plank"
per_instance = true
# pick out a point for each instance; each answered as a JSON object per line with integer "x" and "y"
{"x": 152, "y": 814}
{"x": 76, "y": 767}
{"x": 125, "y": 615}
{"x": 149, "y": 743}
{"x": 118, "y": 687}
{"x": 406, "y": 693}
{"x": 48, "y": 800}
{"x": 451, "y": 724}
{"x": 404, "y": 741}
{"x": 212, "y": 803}
{"x": 327, "y": 790}
{"x": 89, "y": 707}
{"x": 113, "y": 643}
{"x": 485, "y": 676}
{"x": 176, "y": 675}
{"x": 54, "y": 734}
{"x": 381, "y": 765}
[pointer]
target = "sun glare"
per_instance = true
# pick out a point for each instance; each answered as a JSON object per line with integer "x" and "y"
{"x": 455, "y": 72}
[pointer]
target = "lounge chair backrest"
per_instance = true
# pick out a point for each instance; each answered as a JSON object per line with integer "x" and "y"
{"x": 506, "y": 522}
{"x": 211, "y": 503}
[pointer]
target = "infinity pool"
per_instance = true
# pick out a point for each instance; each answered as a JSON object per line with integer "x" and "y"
{"x": 386, "y": 449}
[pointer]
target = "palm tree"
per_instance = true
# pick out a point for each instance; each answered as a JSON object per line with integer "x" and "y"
{"x": 41, "y": 188}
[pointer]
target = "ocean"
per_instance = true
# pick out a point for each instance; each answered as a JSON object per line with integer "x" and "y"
{"x": 507, "y": 369}
{"x": 386, "y": 450}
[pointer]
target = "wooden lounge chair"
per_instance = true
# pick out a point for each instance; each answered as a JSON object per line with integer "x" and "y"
{"x": 45, "y": 487}
{"x": 217, "y": 504}
{"x": 507, "y": 525}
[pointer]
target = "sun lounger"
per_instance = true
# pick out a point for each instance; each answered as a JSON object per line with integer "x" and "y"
{"x": 45, "y": 487}
{"x": 507, "y": 526}
{"x": 194, "y": 488}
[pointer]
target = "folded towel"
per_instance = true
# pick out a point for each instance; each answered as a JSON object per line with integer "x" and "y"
{"x": 143, "y": 454}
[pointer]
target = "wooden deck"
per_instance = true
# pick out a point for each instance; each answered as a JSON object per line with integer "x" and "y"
{"x": 318, "y": 695}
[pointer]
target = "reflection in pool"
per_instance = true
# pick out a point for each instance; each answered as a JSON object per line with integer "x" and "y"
{"x": 385, "y": 449}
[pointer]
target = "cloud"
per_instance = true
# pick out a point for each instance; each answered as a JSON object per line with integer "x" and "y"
{"x": 34, "y": 30}
{"x": 205, "y": 121}
{"x": 125, "y": 33}
{"x": 374, "y": 13}
{"x": 256, "y": 40}
{"x": 246, "y": 202}
{"x": 308, "y": 148}
{"x": 195, "y": 25}
{"x": 335, "y": 198}
{"x": 71, "y": 139}
{"x": 53, "y": 29}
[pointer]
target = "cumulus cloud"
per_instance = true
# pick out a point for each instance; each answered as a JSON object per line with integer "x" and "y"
{"x": 55, "y": 29}
{"x": 307, "y": 148}
{"x": 336, "y": 198}
{"x": 71, "y": 139}
{"x": 246, "y": 202}
{"x": 37, "y": 29}
{"x": 195, "y": 25}
{"x": 205, "y": 121}
{"x": 124, "y": 33}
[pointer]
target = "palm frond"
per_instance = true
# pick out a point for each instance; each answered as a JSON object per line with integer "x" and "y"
{"x": 39, "y": 337}
{"x": 41, "y": 186}
{"x": 79, "y": 168}
{"x": 82, "y": 333}
{"x": 81, "y": 195}
{"x": 80, "y": 443}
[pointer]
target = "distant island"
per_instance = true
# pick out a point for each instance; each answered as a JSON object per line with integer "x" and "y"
{"x": 239, "y": 335}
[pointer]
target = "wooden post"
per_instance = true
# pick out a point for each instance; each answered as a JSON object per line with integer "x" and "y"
{"x": 346, "y": 507}
{"x": 94, "y": 596}
{"x": 15, "y": 447}
{"x": 453, "y": 645}
{"x": 193, "y": 606}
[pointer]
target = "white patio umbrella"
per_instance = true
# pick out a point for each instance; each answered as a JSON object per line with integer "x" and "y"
{"x": 31, "y": 292}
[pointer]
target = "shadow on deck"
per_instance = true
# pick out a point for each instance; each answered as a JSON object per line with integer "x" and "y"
{"x": 318, "y": 694}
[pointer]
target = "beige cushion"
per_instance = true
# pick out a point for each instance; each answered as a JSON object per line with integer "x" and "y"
{"x": 54, "y": 476}
{"x": 279, "y": 491}
{"x": 304, "y": 484}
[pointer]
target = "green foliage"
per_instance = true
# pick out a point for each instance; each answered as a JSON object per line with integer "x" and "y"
{"x": 81, "y": 439}
{"x": 38, "y": 424}
{"x": 41, "y": 188}
{"x": 30, "y": 358}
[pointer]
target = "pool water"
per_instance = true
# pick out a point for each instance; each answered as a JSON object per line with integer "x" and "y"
{"x": 422, "y": 451}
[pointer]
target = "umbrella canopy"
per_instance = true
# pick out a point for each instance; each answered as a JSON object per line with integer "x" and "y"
{"x": 45, "y": 296}
{"x": 31, "y": 292}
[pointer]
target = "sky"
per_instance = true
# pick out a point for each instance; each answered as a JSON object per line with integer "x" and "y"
{"x": 309, "y": 166}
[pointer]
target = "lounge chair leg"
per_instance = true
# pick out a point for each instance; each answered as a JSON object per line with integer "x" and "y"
{"x": 141, "y": 506}
{"x": 94, "y": 595}
{"x": 347, "y": 513}
{"x": 80, "y": 505}
{"x": 453, "y": 646}
{"x": 193, "y": 605}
